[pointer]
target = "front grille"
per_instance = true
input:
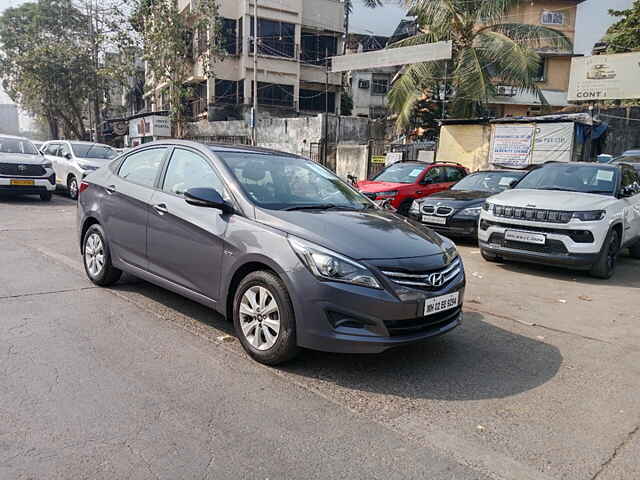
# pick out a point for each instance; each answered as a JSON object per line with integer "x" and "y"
{"x": 578, "y": 236}
{"x": 554, "y": 247}
{"x": 440, "y": 211}
{"x": 431, "y": 280}
{"x": 21, "y": 170}
{"x": 532, "y": 214}
{"x": 399, "y": 328}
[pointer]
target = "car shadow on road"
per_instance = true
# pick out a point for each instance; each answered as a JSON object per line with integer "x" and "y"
{"x": 56, "y": 200}
{"x": 474, "y": 362}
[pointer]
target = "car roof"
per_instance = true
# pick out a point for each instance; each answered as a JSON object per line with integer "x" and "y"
{"x": 500, "y": 170}
{"x": 15, "y": 137}
{"x": 586, "y": 164}
{"x": 631, "y": 153}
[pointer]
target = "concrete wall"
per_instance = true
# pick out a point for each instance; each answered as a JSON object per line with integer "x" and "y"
{"x": 465, "y": 144}
{"x": 352, "y": 160}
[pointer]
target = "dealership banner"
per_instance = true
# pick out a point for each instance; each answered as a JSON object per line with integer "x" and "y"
{"x": 605, "y": 77}
{"x": 553, "y": 142}
{"x": 511, "y": 145}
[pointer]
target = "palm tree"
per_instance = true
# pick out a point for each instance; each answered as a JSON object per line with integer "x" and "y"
{"x": 486, "y": 52}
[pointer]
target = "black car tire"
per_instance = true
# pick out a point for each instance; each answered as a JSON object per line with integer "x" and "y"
{"x": 46, "y": 196}
{"x": 285, "y": 347}
{"x": 605, "y": 266}
{"x": 634, "y": 250}
{"x": 72, "y": 187}
{"x": 490, "y": 257}
{"x": 403, "y": 208}
{"x": 109, "y": 274}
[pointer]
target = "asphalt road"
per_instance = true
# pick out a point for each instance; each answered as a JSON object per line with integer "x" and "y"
{"x": 541, "y": 382}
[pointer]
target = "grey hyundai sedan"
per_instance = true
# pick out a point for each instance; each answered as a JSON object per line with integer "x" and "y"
{"x": 277, "y": 243}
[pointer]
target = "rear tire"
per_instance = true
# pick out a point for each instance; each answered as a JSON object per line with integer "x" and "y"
{"x": 634, "y": 250}
{"x": 490, "y": 257}
{"x": 46, "y": 197}
{"x": 72, "y": 187}
{"x": 605, "y": 266}
{"x": 97, "y": 258}
{"x": 263, "y": 318}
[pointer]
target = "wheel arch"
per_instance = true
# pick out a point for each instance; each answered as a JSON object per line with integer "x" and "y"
{"x": 88, "y": 222}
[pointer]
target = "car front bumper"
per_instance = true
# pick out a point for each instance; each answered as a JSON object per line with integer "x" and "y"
{"x": 40, "y": 185}
{"x": 344, "y": 318}
{"x": 463, "y": 227}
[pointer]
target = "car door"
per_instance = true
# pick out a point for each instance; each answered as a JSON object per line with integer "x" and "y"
{"x": 432, "y": 181}
{"x": 630, "y": 183}
{"x": 65, "y": 160}
{"x": 126, "y": 202}
{"x": 185, "y": 242}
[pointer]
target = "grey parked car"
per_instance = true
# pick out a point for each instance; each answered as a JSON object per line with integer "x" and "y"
{"x": 295, "y": 256}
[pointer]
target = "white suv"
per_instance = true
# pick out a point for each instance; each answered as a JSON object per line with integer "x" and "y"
{"x": 72, "y": 161}
{"x": 23, "y": 170}
{"x": 577, "y": 215}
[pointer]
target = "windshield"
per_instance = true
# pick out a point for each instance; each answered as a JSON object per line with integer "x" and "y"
{"x": 87, "y": 150}
{"x": 17, "y": 145}
{"x": 488, "y": 181}
{"x": 627, "y": 159}
{"x": 400, "y": 173}
{"x": 289, "y": 183}
{"x": 569, "y": 177}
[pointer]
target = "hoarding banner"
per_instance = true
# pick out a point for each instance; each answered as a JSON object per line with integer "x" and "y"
{"x": 511, "y": 145}
{"x": 605, "y": 77}
{"x": 553, "y": 142}
{"x": 151, "y": 126}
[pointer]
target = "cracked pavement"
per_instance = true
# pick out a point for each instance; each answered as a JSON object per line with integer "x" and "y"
{"x": 541, "y": 382}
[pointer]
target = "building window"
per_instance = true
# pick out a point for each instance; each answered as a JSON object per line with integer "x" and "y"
{"x": 229, "y": 36}
{"x": 317, "y": 48}
{"x": 552, "y": 18}
{"x": 276, "y": 38}
{"x": 202, "y": 41}
{"x": 540, "y": 74}
{"x": 229, "y": 92}
{"x": 379, "y": 86}
{"x": 364, "y": 84}
{"x": 314, "y": 101}
{"x": 275, "y": 94}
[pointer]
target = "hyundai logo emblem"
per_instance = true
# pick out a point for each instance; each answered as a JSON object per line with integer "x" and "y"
{"x": 436, "y": 279}
{"x": 22, "y": 168}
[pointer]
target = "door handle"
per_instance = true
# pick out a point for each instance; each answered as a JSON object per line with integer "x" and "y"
{"x": 111, "y": 189}
{"x": 161, "y": 209}
{"x": 419, "y": 192}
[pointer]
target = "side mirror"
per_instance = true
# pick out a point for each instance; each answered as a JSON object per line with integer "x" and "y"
{"x": 628, "y": 191}
{"x": 512, "y": 183}
{"x": 67, "y": 156}
{"x": 207, "y": 197}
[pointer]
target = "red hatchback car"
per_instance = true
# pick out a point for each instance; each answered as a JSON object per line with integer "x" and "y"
{"x": 403, "y": 182}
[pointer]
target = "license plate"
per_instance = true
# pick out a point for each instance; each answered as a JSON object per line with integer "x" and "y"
{"x": 22, "y": 182}
{"x": 525, "y": 237}
{"x": 432, "y": 219}
{"x": 441, "y": 303}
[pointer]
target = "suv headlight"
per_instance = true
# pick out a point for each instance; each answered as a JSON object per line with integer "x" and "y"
{"x": 415, "y": 208}
{"x": 590, "y": 216}
{"x": 328, "y": 265}
{"x": 47, "y": 165}
{"x": 391, "y": 193}
{"x": 487, "y": 207}
{"x": 471, "y": 212}
{"x": 87, "y": 166}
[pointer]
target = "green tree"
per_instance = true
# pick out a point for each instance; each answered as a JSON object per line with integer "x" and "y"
{"x": 175, "y": 45}
{"x": 624, "y": 35}
{"x": 486, "y": 52}
{"x": 45, "y": 62}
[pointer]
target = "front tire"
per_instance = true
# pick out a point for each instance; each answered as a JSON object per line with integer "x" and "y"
{"x": 46, "y": 196}
{"x": 72, "y": 187}
{"x": 263, "y": 318}
{"x": 97, "y": 258}
{"x": 605, "y": 266}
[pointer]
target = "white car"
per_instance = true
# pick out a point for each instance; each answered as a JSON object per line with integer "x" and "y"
{"x": 73, "y": 160}
{"x": 577, "y": 215}
{"x": 23, "y": 170}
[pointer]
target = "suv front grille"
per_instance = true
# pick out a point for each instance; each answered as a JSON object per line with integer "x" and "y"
{"x": 21, "y": 170}
{"x": 532, "y": 214}
{"x": 431, "y": 280}
{"x": 551, "y": 246}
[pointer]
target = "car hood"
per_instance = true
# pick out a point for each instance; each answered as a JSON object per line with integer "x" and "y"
{"x": 553, "y": 200}
{"x": 456, "y": 198}
{"x": 375, "y": 187}
{"x": 94, "y": 162}
{"x": 22, "y": 158}
{"x": 361, "y": 235}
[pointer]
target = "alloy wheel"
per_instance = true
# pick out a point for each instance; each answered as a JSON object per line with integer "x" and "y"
{"x": 612, "y": 252}
{"x": 73, "y": 188}
{"x": 259, "y": 317}
{"x": 94, "y": 254}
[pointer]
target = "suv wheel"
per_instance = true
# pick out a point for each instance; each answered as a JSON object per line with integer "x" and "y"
{"x": 263, "y": 318}
{"x": 606, "y": 263}
{"x": 97, "y": 258}
{"x": 403, "y": 208}
{"x": 72, "y": 187}
{"x": 46, "y": 196}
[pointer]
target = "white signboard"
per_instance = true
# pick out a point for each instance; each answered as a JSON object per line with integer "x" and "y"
{"x": 605, "y": 77}
{"x": 553, "y": 142}
{"x": 393, "y": 157}
{"x": 151, "y": 126}
{"x": 391, "y": 57}
{"x": 511, "y": 144}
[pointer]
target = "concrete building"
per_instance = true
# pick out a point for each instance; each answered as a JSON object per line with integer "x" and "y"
{"x": 553, "y": 76}
{"x": 295, "y": 38}
{"x": 9, "y": 122}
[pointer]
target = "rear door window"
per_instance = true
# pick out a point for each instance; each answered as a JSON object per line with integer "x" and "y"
{"x": 142, "y": 167}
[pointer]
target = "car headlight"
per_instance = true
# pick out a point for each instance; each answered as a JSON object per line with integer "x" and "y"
{"x": 471, "y": 212}
{"x": 487, "y": 207}
{"x": 47, "y": 165}
{"x": 328, "y": 265}
{"x": 87, "y": 166}
{"x": 391, "y": 193}
{"x": 415, "y": 208}
{"x": 590, "y": 216}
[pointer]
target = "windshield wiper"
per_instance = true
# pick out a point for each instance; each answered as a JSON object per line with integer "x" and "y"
{"x": 319, "y": 206}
